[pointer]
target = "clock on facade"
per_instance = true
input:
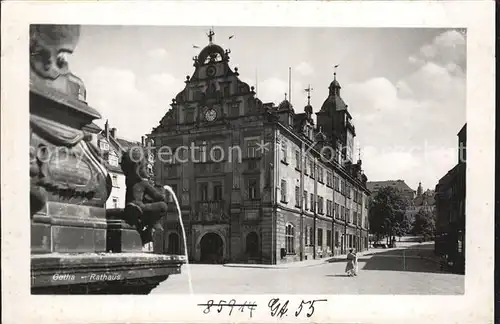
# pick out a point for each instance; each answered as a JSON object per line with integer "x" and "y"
{"x": 211, "y": 71}
{"x": 210, "y": 114}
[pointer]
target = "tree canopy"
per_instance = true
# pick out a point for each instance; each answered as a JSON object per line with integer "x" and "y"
{"x": 424, "y": 224}
{"x": 387, "y": 213}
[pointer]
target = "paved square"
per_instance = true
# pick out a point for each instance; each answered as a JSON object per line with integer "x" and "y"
{"x": 388, "y": 272}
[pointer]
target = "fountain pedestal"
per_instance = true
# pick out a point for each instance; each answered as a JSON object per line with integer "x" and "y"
{"x": 77, "y": 247}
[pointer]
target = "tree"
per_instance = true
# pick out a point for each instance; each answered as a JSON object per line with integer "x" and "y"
{"x": 387, "y": 213}
{"x": 403, "y": 228}
{"x": 424, "y": 224}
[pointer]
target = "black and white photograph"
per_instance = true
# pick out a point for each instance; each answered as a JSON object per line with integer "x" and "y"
{"x": 222, "y": 159}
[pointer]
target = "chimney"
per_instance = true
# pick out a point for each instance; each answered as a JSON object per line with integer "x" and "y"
{"x": 106, "y": 130}
{"x": 113, "y": 132}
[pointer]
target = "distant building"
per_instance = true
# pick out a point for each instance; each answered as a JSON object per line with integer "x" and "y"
{"x": 249, "y": 189}
{"x": 450, "y": 209}
{"x": 112, "y": 148}
{"x": 424, "y": 200}
{"x": 400, "y": 185}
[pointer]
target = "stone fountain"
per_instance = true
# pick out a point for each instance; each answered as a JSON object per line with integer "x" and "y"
{"x": 77, "y": 247}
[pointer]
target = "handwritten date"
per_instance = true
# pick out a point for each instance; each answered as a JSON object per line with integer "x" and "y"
{"x": 280, "y": 308}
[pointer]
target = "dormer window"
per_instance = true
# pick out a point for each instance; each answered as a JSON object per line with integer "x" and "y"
{"x": 81, "y": 94}
{"x": 113, "y": 160}
{"x": 104, "y": 146}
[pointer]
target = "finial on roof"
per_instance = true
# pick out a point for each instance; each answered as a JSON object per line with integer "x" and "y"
{"x": 335, "y": 72}
{"x": 308, "y": 90}
{"x": 285, "y": 96}
{"x": 211, "y": 35}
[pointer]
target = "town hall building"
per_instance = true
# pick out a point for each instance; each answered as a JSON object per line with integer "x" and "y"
{"x": 257, "y": 182}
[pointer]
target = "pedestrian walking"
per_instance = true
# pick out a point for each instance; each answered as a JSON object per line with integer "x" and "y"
{"x": 352, "y": 263}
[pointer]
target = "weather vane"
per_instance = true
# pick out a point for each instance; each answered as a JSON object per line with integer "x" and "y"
{"x": 308, "y": 90}
{"x": 335, "y": 70}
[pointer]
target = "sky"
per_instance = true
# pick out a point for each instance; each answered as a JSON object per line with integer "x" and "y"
{"x": 405, "y": 88}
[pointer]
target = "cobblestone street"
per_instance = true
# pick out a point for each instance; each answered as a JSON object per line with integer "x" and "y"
{"x": 403, "y": 271}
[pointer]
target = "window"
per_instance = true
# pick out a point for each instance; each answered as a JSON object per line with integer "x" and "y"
{"x": 283, "y": 191}
{"x": 320, "y": 205}
{"x": 329, "y": 239}
{"x": 342, "y": 187}
{"x": 114, "y": 179}
{"x": 305, "y": 199}
{"x": 174, "y": 188}
{"x": 336, "y": 183}
{"x": 337, "y": 211}
{"x": 115, "y": 202}
{"x": 252, "y": 189}
{"x": 310, "y": 234}
{"x": 320, "y": 237}
{"x": 104, "y": 146}
{"x": 320, "y": 174}
{"x": 313, "y": 206}
{"x": 348, "y": 188}
{"x": 189, "y": 116}
{"x": 311, "y": 168}
{"x": 217, "y": 191}
{"x": 203, "y": 190}
{"x": 235, "y": 110}
{"x": 337, "y": 241}
{"x": 216, "y": 152}
{"x": 329, "y": 179}
{"x": 305, "y": 167}
{"x": 290, "y": 239}
{"x": 306, "y": 238}
{"x": 113, "y": 160}
{"x": 252, "y": 148}
{"x": 297, "y": 196}
{"x": 283, "y": 151}
{"x": 342, "y": 213}
{"x": 348, "y": 215}
{"x": 226, "y": 91}
{"x": 297, "y": 160}
{"x": 329, "y": 207}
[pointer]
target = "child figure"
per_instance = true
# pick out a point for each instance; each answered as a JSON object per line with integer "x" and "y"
{"x": 144, "y": 204}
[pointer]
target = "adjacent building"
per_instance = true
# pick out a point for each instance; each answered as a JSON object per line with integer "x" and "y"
{"x": 258, "y": 182}
{"x": 450, "y": 209}
{"x": 112, "y": 147}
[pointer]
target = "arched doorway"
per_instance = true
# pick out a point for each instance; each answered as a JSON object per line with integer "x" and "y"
{"x": 173, "y": 246}
{"x": 211, "y": 246}
{"x": 252, "y": 244}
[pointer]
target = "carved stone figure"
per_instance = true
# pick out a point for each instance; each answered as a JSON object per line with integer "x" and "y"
{"x": 145, "y": 204}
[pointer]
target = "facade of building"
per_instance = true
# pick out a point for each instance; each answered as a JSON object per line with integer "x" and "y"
{"x": 252, "y": 181}
{"x": 112, "y": 148}
{"x": 450, "y": 210}
{"x": 424, "y": 200}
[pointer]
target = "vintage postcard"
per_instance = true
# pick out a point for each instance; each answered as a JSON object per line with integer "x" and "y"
{"x": 247, "y": 161}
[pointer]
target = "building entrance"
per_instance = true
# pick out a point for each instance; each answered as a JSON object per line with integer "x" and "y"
{"x": 211, "y": 246}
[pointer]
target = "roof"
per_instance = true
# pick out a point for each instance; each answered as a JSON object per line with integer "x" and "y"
{"x": 398, "y": 184}
{"x": 125, "y": 144}
{"x": 333, "y": 101}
